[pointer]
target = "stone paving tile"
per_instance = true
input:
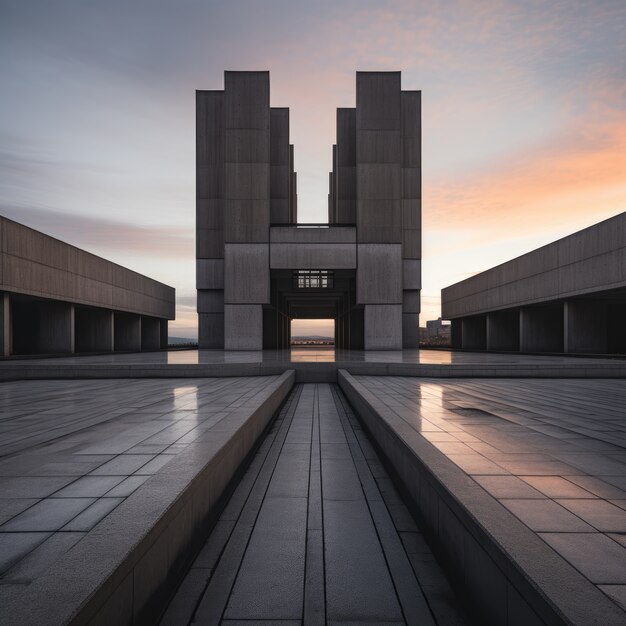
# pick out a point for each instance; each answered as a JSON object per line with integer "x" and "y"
{"x": 69, "y": 449}
{"x": 560, "y": 446}
{"x": 47, "y": 515}
{"x": 14, "y": 546}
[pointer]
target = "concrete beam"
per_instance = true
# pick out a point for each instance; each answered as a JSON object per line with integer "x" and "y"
{"x": 585, "y": 326}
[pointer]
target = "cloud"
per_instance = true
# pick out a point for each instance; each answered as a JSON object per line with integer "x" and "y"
{"x": 87, "y": 231}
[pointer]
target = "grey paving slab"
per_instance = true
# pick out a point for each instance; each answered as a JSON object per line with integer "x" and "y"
{"x": 10, "y": 507}
{"x": 597, "y": 556}
{"x": 47, "y": 515}
{"x": 14, "y": 546}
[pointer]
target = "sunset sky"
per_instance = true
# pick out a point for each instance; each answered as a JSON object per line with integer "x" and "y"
{"x": 524, "y": 118}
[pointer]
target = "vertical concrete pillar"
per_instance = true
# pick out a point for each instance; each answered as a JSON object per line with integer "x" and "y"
{"x": 411, "y": 138}
{"x": 474, "y": 333}
{"x": 541, "y": 328}
{"x": 585, "y": 325}
{"x": 247, "y": 207}
{"x": 56, "y": 327}
{"x": 456, "y": 334}
{"x": 279, "y": 165}
{"x": 93, "y": 330}
{"x": 150, "y": 333}
{"x": 345, "y": 183}
{"x": 210, "y": 217}
{"x": 6, "y": 330}
{"x": 164, "y": 334}
{"x": 127, "y": 332}
{"x": 379, "y": 207}
{"x": 616, "y": 328}
{"x": 503, "y": 331}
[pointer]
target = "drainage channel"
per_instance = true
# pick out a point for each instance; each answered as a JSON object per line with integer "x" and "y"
{"x": 315, "y": 533}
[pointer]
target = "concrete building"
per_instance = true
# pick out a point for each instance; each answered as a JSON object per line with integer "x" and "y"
{"x": 568, "y": 296}
{"x": 56, "y": 298}
{"x": 257, "y": 268}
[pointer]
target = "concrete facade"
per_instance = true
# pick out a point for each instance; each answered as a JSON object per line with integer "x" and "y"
{"x": 257, "y": 269}
{"x": 568, "y": 296}
{"x": 56, "y": 298}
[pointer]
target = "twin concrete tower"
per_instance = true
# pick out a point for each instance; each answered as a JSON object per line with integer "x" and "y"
{"x": 257, "y": 268}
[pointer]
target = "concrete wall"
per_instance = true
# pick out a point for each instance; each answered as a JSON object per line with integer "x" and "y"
{"x": 563, "y": 294}
{"x": 35, "y": 264}
{"x": 127, "y": 332}
{"x": 589, "y": 261}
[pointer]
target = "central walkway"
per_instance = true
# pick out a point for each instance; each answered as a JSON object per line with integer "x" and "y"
{"x": 315, "y": 533}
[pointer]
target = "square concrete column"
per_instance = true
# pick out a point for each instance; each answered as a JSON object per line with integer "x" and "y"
{"x": 456, "y": 334}
{"x": 383, "y": 327}
{"x": 164, "y": 333}
{"x": 474, "y": 333}
{"x": 127, "y": 329}
{"x": 410, "y": 331}
{"x": 541, "y": 328}
{"x": 585, "y": 326}
{"x": 93, "y": 330}
{"x": 56, "y": 327}
{"x": 243, "y": 325}
{"x": 503, "y": 331}
{"x": 6, "y": 330}
{"x": 150, "y": 333}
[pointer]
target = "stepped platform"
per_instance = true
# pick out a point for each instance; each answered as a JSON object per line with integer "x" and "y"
{"x": 312, "y": 365}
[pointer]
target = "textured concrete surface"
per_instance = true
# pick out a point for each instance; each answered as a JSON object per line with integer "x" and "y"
{"x": 539, "y": 465}
{"x": 105, "y": 480}
{"x": 35, "y": 264}
{"x": 315, "y": 533}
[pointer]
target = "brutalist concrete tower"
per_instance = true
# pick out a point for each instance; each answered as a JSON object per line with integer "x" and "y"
{"x": 257, "y": 269}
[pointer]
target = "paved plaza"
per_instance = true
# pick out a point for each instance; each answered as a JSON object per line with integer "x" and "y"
{"x": 315, "y": 533}
{"x": 553, "y": 452}
{"x": 71, "y": 452}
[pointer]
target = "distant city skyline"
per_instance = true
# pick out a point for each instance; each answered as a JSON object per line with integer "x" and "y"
{"x": 524, "y": 119}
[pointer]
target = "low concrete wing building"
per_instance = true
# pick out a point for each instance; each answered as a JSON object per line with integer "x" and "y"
{"x": 56, "y": 298}
{"x": 568, "y": 296}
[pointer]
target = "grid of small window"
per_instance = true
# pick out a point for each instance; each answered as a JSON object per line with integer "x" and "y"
{"x": 313, "y": 279}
